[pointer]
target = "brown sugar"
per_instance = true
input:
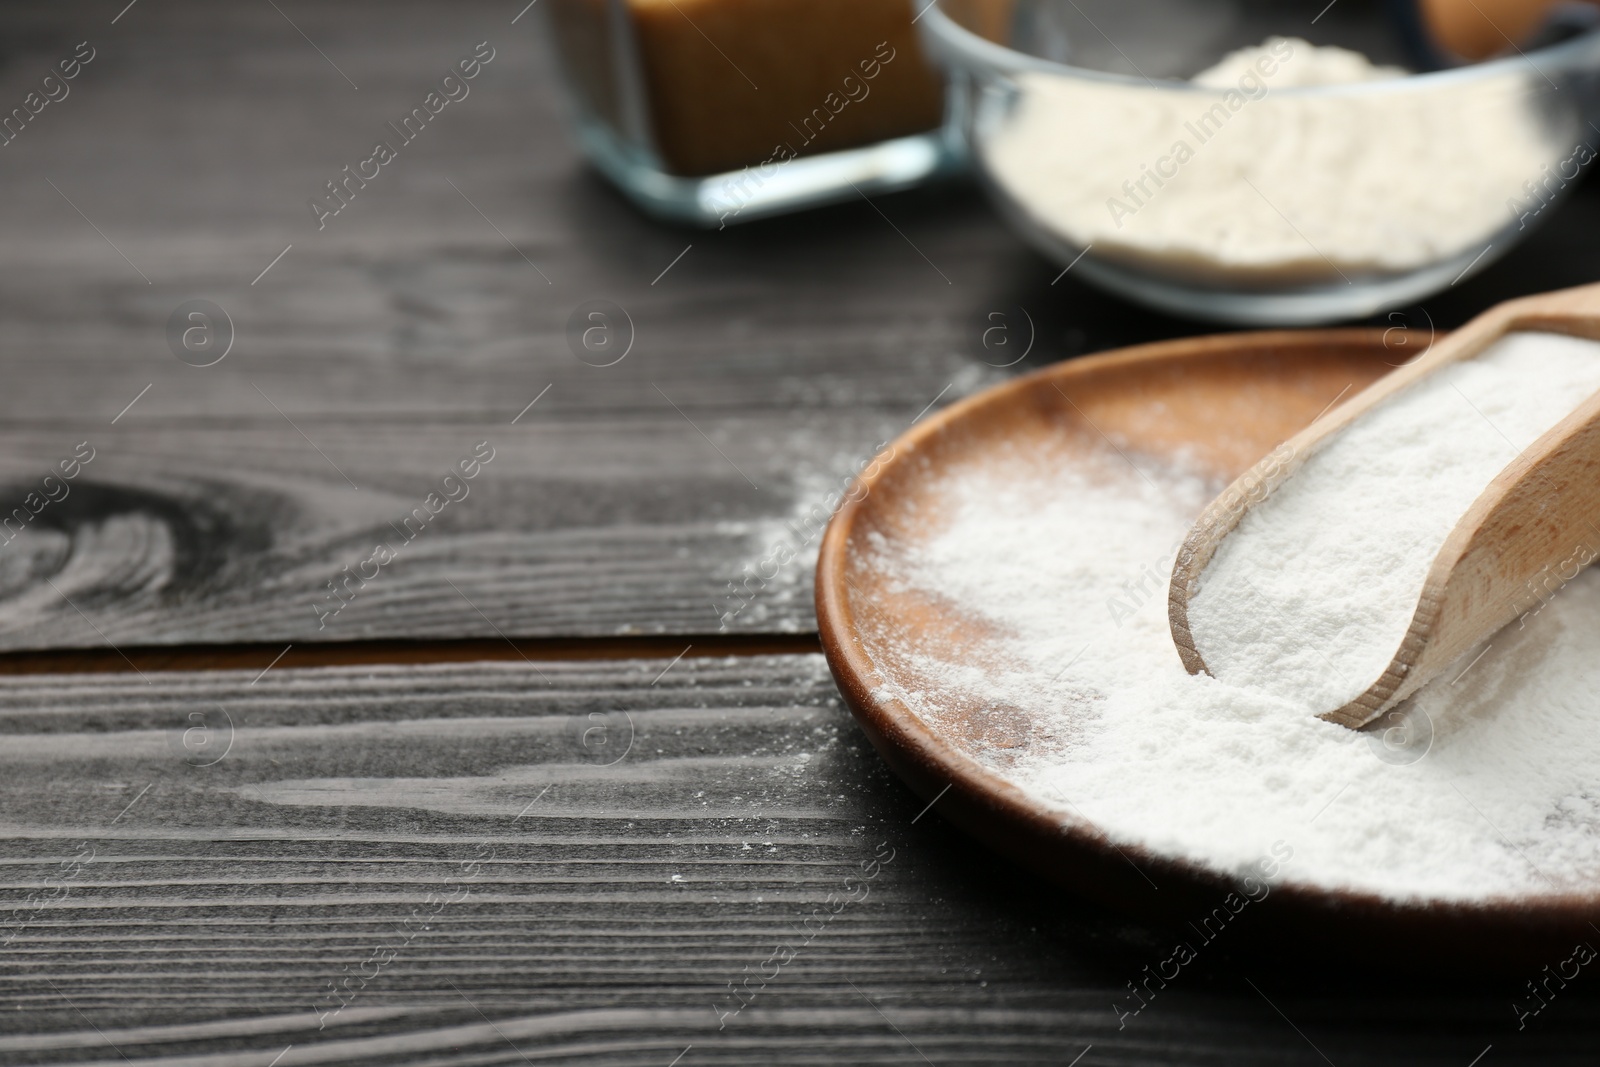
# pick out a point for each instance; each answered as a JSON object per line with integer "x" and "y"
{"x": 727, "y": 83}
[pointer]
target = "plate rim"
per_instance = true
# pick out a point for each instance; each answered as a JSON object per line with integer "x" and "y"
{"x": 980, "y": 802}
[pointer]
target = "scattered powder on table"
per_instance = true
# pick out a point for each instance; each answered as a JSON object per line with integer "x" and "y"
{"x": 1054, "y": 553}
{"x": 1291, "y": 171}
{"x": 1312, "y": 593}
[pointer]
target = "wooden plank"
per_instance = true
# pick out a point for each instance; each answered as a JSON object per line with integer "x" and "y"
{"x": 423, "y": 319}
{"x": 426, "y": 316}
{"x": 495, "y": 890}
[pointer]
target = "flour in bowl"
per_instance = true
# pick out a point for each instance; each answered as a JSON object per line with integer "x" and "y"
{"x": 1312, "y": 593}
{"x": 1286, "y": 164}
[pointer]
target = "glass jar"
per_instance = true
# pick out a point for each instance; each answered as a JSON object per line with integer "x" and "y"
{"x": 711, "y": 112}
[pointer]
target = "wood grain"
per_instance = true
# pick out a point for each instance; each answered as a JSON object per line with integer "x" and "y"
{"x": 612, "y": 903}
{"x": 221, "y": 900}
{"x": 426, "y": 316}
{"x": 418, "y": 322}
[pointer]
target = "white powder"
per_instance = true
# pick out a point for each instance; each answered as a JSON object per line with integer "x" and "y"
{"x": 1258, "y": 183}
{"x": 1310, "y": 596}
{"x": 1077, "y": 695}
{"x": 1308, "y": 64}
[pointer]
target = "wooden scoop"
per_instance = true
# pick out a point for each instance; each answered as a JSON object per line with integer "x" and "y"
{"x": 1540, "y": 513}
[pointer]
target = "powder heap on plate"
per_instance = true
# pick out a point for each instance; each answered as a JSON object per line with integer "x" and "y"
{"x": 1302, "y": 164}
{"x": 1312, "y": 593}
{"x": 1077, "y": 695}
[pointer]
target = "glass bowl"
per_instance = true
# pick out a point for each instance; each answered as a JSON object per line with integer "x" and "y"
{"x": 1255, "y": 198}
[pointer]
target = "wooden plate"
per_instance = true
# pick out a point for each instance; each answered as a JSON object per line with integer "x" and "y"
{"x": 1224, "y": 402}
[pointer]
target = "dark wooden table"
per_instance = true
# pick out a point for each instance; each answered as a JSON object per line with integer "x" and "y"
{"x": 535, "y": 793}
